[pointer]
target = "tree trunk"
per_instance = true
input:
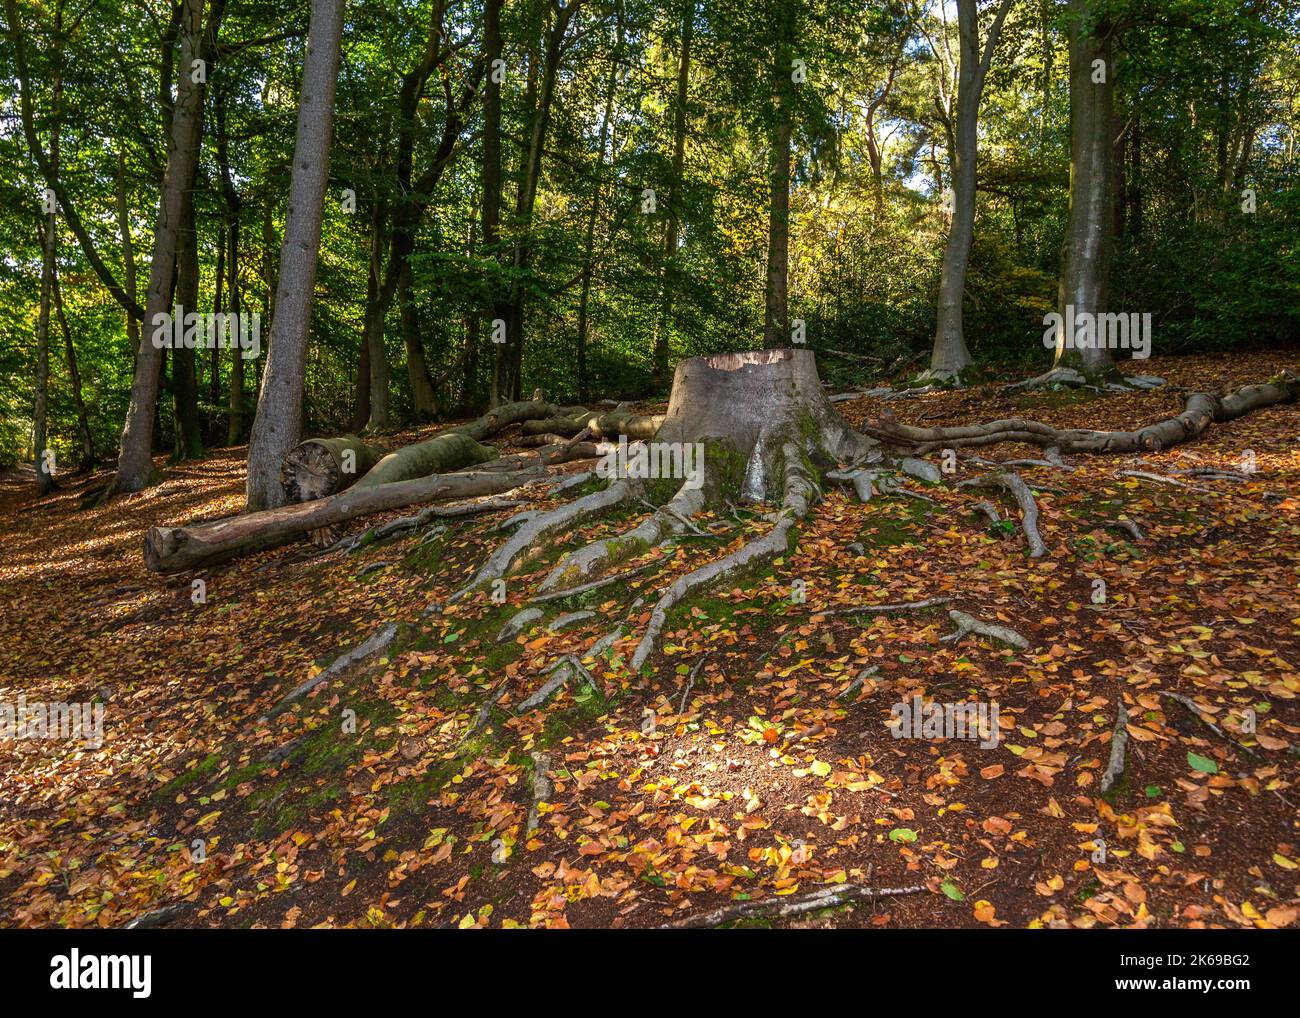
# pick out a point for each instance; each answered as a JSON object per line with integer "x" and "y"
{"x": 776, "y": 318}
{"x": 672, "y": 225}
{"x": 592, "y": 214}
{"x": 135, "y": 469}
{"x": 423, "y": 398}
{"x": 950, "y": 354}
{"x": 1085, "y": 261}
{"x": 185, "y": 383}
{"x": 279, "y": 409}
{"x": 128, "y": 253}
{"x": 491, "y": 172}
{"x": 88, "y": 457}
{"x": 218, "y": 298}
{"x": 509, "y": 355}
{"x": 373, "y": 329}
{"x": 175, "y": 549}
{"x": 44, "y": 462}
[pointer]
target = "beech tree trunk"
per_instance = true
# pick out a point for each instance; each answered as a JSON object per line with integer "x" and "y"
{"x": 776, "y": 318}
{"x": 950, "y": 354}
{"x": 672, "y": 224}
{"x": 279, "y": 409}
{"x": 45, "y": 465}
{"x": 1085, "y": 262}
{"x": 88, "y": 458}
{"x": 135, "y": 469}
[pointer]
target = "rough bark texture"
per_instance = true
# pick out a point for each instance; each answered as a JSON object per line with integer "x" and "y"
{"x": 279, "y": 410}
{"x": 174, "y": 549}
{"x": 744, "y": 399}
{"x": 776, "y": 318}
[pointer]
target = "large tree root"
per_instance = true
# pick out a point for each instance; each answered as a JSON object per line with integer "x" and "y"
{"x": 381, "y": 639}
{"x": 799, "y": 492}
{"x": 1012, "y": 484}
{"x": 535, "y": 536}
{"x": 592, "y": 558}
{"x": 1201, "y": 410}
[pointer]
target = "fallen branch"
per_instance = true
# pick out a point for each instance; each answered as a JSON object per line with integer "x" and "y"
{"x": 797, "y": 904}
{"x": 1118, "y": 748}
{"x": 967, "y": 624}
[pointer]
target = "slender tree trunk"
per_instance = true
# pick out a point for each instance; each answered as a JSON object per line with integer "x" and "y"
{"x": 950, "y": 354}
{"x": 278, "y": 423}
{"x": 88, "y": 458}
{"x": 509, "y": 360}
{"x": 135, "y": 468}
{"x": 218, "y": 305}
{"x": 593, "y": 213}
{"x": 373, "y": 329}
{"x": 492, "y": 172}
{"x": 1086, "y": 256}
{"x": 361, "y": 411}
{"x": 672, "y": 225}
{"x": 128, "y": 252}
{"x": 185, "y": 383}
{"x": 776, "y": 317}
{"x": 44, "y": 462}
{"x": 423, "y": 400}
{"x": 233, "y": 203}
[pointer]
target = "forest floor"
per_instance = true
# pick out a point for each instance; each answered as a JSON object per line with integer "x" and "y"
{"x": 414, "y": 819}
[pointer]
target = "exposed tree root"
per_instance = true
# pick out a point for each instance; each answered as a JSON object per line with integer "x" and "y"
{"x": 408, "y": 525}
{"x": 967, "y": 624}
{"x": 796, "y": 904}
{"x": 561, "y": 672}
{"x": 541, "y": 790}
{"x": 1013, "y": 484}
{"x": 531, "y": 540}
{"x": 654, "y": 529}
{"x": 1201, "y": 410}
{"x": 1190, "y": 706}
{"x": 1118, "y": 750}
{"x": 558, "y": 595}
{"x": 380, "y": 640}
{"x": 798, "y": 495}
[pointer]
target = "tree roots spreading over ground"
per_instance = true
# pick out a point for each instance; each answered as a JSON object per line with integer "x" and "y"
{"x": 667, "y": 700}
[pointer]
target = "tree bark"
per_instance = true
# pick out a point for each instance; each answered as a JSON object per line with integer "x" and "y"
{"x": 279, "y": 410}
{"x": 128, "y": 253}
{"x": 509, "y": 355}
{"x": 423, "y": 399}
{"x": 88, "y": 457}
{"x": 185, "y": 383}
{"x": 672, "y": 224}
{"x": 135, "y": 469}
{"x": 373, "y": 329}
{"x": 175, "y": 549}
{"x": 950, "y": 354}
{"x": 776, "y": 317}
{"x": 1085, "y": 262}
{"x": 44, "y": 464}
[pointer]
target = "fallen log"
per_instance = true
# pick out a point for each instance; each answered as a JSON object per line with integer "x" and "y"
{"x": 325, "y": 466}
{"x": 452, "y": 450}
{"x": 175, "y": 549}
{"x": 502, "y": 417}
